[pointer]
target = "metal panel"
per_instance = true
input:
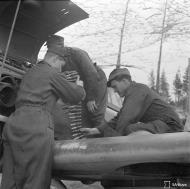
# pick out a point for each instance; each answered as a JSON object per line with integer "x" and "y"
{"x": 35, "y": 22}
{"x": 100, "y": 156}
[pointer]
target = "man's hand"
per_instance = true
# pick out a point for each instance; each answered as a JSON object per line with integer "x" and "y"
{"x": 90, "y": 131}
{"x": 91, "y": 105}
{"x": 79, "y": 82}
{"x": 3, "y": 118}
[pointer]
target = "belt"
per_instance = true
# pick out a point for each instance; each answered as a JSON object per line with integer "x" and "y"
{"x": 33, "y": 105}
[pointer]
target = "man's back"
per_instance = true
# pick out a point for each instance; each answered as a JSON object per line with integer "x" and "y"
{"x": 152, "y": 106}
{"x": 36, "y": 86}
{"x": 94, "y": 80}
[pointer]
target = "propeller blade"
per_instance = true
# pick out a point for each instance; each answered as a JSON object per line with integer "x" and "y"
{"x": 107, "y": 65}
{"x": 122, "y": 65}
{"x": 132, "y": 66}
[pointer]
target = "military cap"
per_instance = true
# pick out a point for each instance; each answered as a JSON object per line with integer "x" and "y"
{"x": 56, "y": 50}
{"x": 55, "y": 40}
{"x": 117, "y": 72}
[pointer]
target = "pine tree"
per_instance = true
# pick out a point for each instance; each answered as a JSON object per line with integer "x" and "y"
{"x": 185, "y": 90}
{"x": 152, "y": 80}
{"x": 178, "y": 86}
{"x": 164, "y": 86}
{"x": 185, "y": 81}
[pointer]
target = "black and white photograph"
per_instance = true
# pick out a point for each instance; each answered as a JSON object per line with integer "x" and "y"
{"x": 94, "y": 94}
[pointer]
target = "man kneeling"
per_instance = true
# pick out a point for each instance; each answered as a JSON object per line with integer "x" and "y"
{"x": 143, "y": 110}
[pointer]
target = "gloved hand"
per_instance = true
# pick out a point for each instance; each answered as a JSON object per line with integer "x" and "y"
{"x": 91, "y": 105}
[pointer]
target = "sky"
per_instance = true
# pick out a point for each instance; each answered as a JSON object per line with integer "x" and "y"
{"x": 99, "y": 35}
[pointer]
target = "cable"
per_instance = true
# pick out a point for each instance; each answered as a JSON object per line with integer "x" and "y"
{"x": 10, "y": 36}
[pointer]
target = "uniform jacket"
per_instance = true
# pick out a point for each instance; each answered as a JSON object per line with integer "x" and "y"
{"x": 141, "y": 104}
{"x": 29, "y": 131}
{"x": 44, "y": 85}
{"x": 78, "y": 60}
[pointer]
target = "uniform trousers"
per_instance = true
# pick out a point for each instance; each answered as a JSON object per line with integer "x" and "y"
{"x": 28, "y": 149}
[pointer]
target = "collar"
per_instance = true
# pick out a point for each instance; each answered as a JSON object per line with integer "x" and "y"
{"x": 44, "y": 62}
{"x": 128, "y": 90}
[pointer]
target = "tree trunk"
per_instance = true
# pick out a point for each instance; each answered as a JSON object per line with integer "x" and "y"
{"x": 160, "y": 52}
{"x": 121, "y": 37}
{"x": 187, "y": 123}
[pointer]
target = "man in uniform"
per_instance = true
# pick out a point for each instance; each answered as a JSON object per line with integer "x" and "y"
{"x": 28, "y": 134}
{"x": 143, "y": 109}
{"x": 94, "y": 79}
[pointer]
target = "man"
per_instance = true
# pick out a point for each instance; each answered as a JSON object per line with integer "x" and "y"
{"x": 28, "y": 134}
{"x": 143, "y": 109}
{"x": 93, "y": 77}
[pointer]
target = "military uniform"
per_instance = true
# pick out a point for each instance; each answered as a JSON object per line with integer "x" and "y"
{"x": 95, "y": 82}
{"x": 143, "y": 109}
{"x": 29, "y": 131}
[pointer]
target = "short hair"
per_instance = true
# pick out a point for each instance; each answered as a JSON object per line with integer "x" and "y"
{"x": 121, "y": 77}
